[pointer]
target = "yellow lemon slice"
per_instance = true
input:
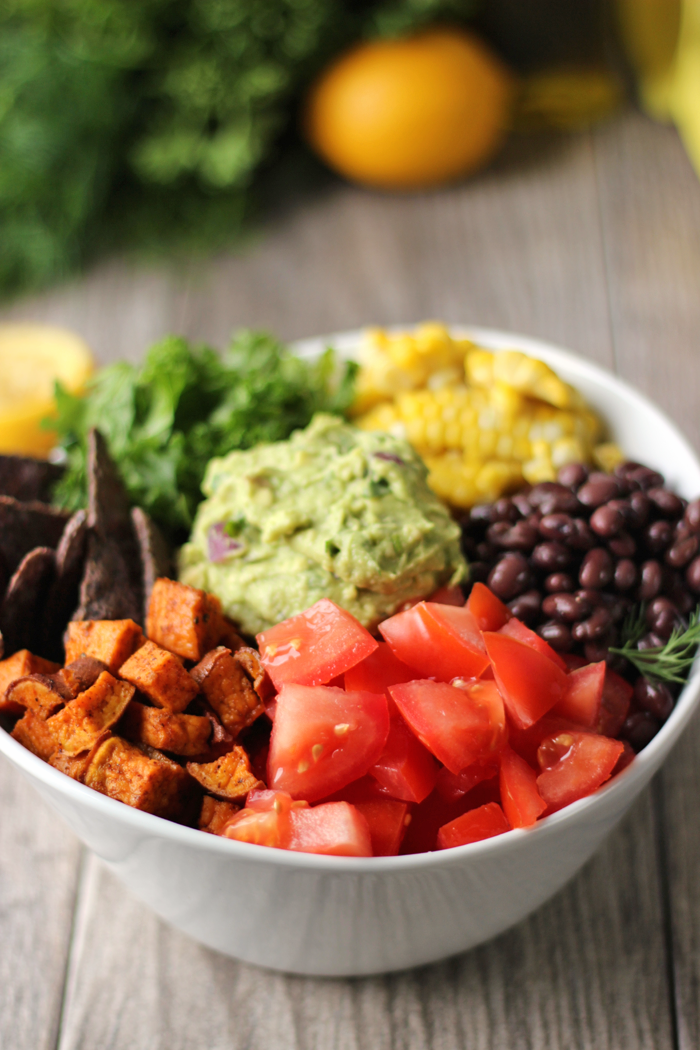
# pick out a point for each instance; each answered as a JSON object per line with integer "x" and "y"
{"x": 32, "y": 358}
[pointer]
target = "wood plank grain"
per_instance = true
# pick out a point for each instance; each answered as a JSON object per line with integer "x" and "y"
{"x": 650, "y": 201}
{"x": 39, "y": 862}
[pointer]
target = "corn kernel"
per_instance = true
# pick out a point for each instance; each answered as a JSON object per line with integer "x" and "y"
{"x": 608, "y": 456}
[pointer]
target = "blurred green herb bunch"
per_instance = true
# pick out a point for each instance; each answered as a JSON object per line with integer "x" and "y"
{"x": 149, "y": 122}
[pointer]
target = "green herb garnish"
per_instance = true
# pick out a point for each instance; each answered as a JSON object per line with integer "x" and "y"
{"x": 163, "y": 422}
{"x": 670, "y": 663}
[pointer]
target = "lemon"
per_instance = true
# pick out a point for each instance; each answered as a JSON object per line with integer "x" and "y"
{"x": 411, "y": 113}
{"x": 32, "y": 358}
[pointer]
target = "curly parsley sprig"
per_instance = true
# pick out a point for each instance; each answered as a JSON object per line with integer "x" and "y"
{"x": 669, "y": 663}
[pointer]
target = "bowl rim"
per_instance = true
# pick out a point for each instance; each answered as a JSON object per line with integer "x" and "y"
{"x": 644, "y": 765}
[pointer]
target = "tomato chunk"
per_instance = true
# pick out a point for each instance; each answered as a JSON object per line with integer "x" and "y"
{"x": 265, "y": 821}
{"x": 489, "y": 611}
{"x": 377, "y": 672}
{"x": 517, "y": 629}
{"x": 477, "y": 824}
{"x": 574, "y": 765}
{"x": 459, "y": 724}
{"x": 584, "y": 694}
{"x": 450, "y": 594}
{"x": 525, "y": 742}
{"x": 439, "y": 641}
{"x": 521, "y": 801}
{"x": 323, "y": 738}
{"x": 453, "y": 786}
{"x": 334, "y": 828}
{"x": 317, "y": 645}
{"x": 617, "y": 696}
{"x": 387, "y": 820}
{"x": 531, "y": 683}
{"x": 405, "y": 768}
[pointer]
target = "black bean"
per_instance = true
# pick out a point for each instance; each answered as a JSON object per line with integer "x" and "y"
{"x": 607, "y": 520}
{"x": 557, "y": 527}
{"x": 661, "y": 617}
{"x": 572, "y": 475}
{"x": 539, "y": 493}
{"x": 486, "y": 551}
{"x": 521, "y": 501}
{"x": 557, "y": 635}
{"x": 645, "y": 477}
{"x": 519, "y": 537}
{"x": 617, "y": 606}
{"x": 654, "y": 697}
{"x": 651, "y": 641}
{"x": 559, "y": 581}
{"x": 596, "y": 569}
{"x": 598, "y": 490}
{"x": 566, "y": 608}
{"x": 640, "y": 506}
{"x": 596, "y": 626}
{"x": 505, "y": 510}
{"x": 561, "y": 503}
{"x": 527, "y": 606}
{"x": 692, "y": 515}
{"x": 692, "y": 575}
{"x": 596, "y": 651}
{"x": 666, "y": 502}
{"x": 623, "y": 546}
{"x": 623, "y": 470}
{"x": 594, "y": 598}
{"x": 625, "y": 574}
{"x": 582, "y": 539}
{"x": 639, "y": 729}
{"x": 650, "y": 581}
{"x": 478, "y": 571}
{"x": 510, "y": 576}
{"x": 657, "y": 536}
{"x": 481, "y": 514}
{"x": 550, "y": 556}
{"x": 682, "y": 551}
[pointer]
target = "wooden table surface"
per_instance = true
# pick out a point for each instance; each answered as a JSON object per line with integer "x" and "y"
{"x": 592, "y": 242}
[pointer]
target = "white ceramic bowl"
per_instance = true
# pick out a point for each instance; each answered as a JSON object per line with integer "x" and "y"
{"x": 335, "y": 916}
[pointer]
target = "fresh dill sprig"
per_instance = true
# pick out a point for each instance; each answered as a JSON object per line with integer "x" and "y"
{"x": 671, "y": 662}
{"x": 634, "y": 624}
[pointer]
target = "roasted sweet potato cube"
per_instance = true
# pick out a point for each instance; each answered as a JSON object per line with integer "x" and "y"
{"x": 33, "y": 732}
{"x": 229, "y": 777}
{"x": 81, "y": 674}
{"x": 180, "y": 734}
{"x": 160, "y": 676}
{"x": 228, "y": 689}
{"x": 215, "y": 814}
{"x": 130, "y": 774}
{"x": 76, "y": 766}
{"x": 77, "y": 727}
{"x": 112, "y": 641}
{"x": 182, "y": 619}
{"x": 17, "y": 666}
{"x": 250, "y": 661}
{"x": 39, "y": 692}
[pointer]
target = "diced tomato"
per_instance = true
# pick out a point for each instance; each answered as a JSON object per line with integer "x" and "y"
{"x": 459, "y": 724}
{"x": 617, "y": 696}
{"x": 530, "y": 683}
{"x": 405, "y": 768}
{"x": 377, "y": 672}
{"x": 573, "y": 661}
{"x": 334, "y": 828}
{"x": 323, "y": 738}
{"x": 574, "y": 765}
{"x": 437, "y": 809}
{"x": 520, "y": 798}
{"x": 516, "y": 629}
{"x": 387, "y": 820}
{"x": 584, "y": 693}
{"x": 453, "y": 786}
{"x": 489, "y": 611}
{"x": 477, "y": 824}
{"x": 625, "y": 758}
{"x": 448, "y": 595}
{"x": 439, "y": 641}
{"x": 525, "y": 742}
{"x": 315, "y": 646}
{"x": 265, "y": 821}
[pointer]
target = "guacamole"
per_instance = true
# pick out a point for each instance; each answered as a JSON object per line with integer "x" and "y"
{"x": 333, "y": 512}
